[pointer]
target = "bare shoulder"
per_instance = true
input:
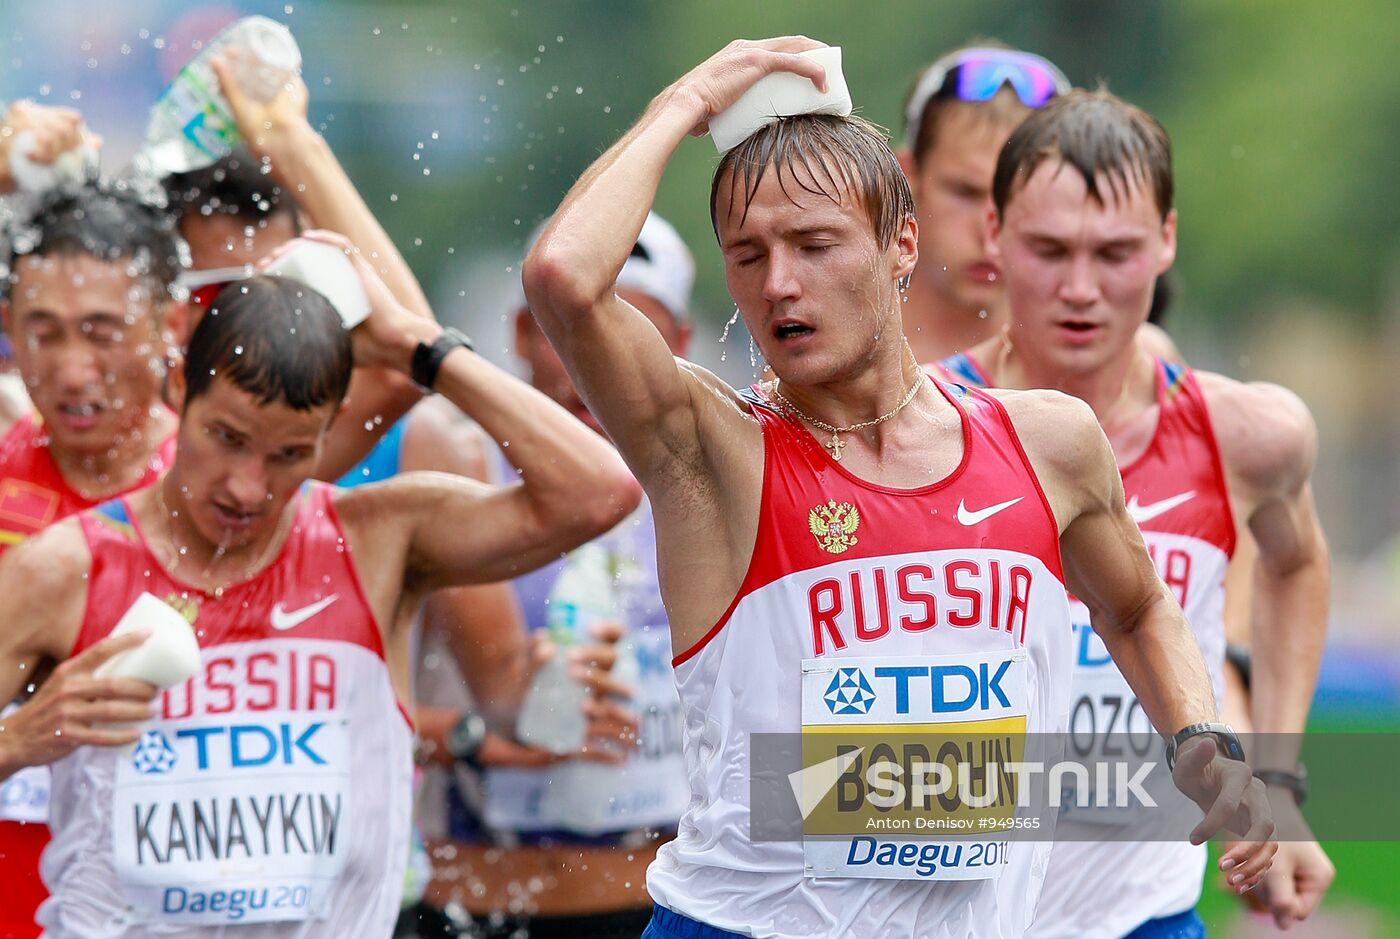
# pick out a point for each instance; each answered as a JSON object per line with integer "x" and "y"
{"x": 1265, "y": 432}
{"x": 43, "y": 588}
{"x": 708, "y": 390}
{"x": 1055, "y": 428}
{"x": 722, "y": 418}
{"x": 1067, "y": 449}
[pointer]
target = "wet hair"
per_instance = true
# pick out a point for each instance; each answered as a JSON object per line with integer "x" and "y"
{"x": 106, "y": 221}
{"x": 1003, "y": 109}
{"x": 1100, "y": 136}
{"x": 234, "y": 185}
{"x": 274, "y": 338}
{"x": 835, "y": 154}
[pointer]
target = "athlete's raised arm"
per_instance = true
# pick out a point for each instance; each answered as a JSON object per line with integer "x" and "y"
{"x": 1107, "y": 567}
{"x": 572, "y": 486}
{"x": 655, "y": 408}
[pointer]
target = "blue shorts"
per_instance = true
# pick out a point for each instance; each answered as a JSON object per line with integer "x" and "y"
{"x": 1180, "y": 926}
{"x": 667, "y": 924}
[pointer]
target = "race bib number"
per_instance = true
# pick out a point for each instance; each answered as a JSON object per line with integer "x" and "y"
{"x": 910, "y": 764}
{"x": 247, "y": 822}
{"x": 1107, "y": 727}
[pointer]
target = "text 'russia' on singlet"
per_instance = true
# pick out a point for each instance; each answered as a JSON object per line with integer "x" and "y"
{"x": 859, "y": 598}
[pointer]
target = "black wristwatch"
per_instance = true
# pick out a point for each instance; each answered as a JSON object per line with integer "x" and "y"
{"x": 1229, "y": 741}
{"x": 1297, "y": 782}
{"x": 465, "y": 738}
{"x": 427, "y": 357}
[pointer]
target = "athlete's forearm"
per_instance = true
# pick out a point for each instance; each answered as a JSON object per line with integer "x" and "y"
{"x": 580, "y": 253}
{"x": 1289, "y": 629}
{"x": 573, "y": 478}
{"x": 308, "y": 171}
{"x": 1158, "y": 655}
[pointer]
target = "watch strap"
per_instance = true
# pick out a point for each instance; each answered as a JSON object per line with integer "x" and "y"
{"x": 1229, "y": 741}
{"x": 428, "y": 357}
{"x": 1297, "y": 782}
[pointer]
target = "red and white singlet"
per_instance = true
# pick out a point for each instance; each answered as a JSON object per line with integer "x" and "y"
{"x": 271, "y": 797}
{"x": 33, "y": 495}
{"x": 1176, "y": 492}
{"x": 858, "y": 601}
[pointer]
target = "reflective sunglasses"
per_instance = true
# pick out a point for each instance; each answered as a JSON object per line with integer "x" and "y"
{"x": 978, "y": 74}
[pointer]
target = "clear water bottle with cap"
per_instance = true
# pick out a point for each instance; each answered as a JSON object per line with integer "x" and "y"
{"x": 584, "y": 595}
{"x": 191, "y": 126}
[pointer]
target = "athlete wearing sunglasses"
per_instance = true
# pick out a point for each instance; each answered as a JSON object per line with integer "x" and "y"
{"x": 960, "y": 111}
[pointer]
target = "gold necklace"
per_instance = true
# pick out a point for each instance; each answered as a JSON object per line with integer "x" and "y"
{"x": 835, "y": 445}
{"x": 217, "y": 592}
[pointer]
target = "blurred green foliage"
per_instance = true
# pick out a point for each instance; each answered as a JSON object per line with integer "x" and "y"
{"x": 1283, "y": 115}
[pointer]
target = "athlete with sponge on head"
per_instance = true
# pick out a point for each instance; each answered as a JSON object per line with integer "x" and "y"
{"x": 852, "y": 471}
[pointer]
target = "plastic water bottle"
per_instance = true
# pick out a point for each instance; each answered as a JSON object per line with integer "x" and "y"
{"x": 551, "y": 716}
{"x": 191, "y": 126}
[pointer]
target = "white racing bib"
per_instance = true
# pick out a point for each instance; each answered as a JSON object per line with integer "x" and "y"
{"x": 1107, "y": 725}
{"x": 245, "y": 820}
{"x": 592, "y": 798}
{"x": 875, "y": 732}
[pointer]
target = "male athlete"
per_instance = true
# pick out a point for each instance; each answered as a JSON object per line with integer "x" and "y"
{"x": 957, "y": 116}
{"x": 851, "y": 513}
{"x": 1082, "y": 227}
{"x": 269, "y": 795}
{"x": 94, "y": 313}
{"x": 576, "y": 835}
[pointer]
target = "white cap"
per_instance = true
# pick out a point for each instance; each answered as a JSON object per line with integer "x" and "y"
{"x": 659, "y": 266}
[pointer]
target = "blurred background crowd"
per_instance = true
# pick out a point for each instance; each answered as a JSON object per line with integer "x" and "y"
{"x": 462, "y": 124}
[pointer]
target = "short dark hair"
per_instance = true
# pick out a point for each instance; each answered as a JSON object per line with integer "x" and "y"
{"x": 107, "y": 221}
{"x": 1004, "y": 108}
{"x": 1098, "y": 134}
{"x": 276, "y": 339}
{"x": 236, "y": 185}
{"x": 826, "y": 147}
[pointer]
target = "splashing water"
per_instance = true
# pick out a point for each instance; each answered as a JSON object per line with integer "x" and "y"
{"x": 724, "y": 336}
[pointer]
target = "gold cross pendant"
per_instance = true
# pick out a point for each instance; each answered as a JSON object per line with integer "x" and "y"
{"x": 836, "y": 445}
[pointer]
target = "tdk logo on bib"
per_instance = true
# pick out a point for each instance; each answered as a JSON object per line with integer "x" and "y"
{"x": 849, "y": 692}
{"x": 154, "y": 754}
{"x": 947, "y": 689}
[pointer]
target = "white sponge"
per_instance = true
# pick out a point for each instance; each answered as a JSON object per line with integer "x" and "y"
{"x": 782, "y": 94}
{"x": 170, "y": 653}
{"x": 324, "y": 268}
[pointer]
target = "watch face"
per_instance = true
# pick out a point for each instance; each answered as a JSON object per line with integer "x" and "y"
{"x": 466, "y": 736}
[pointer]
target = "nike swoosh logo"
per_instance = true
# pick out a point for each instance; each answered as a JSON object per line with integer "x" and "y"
{"x": 282, "y": 618}
{"x": 981, "y": 515}
{"x": 1143, "y": 513}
